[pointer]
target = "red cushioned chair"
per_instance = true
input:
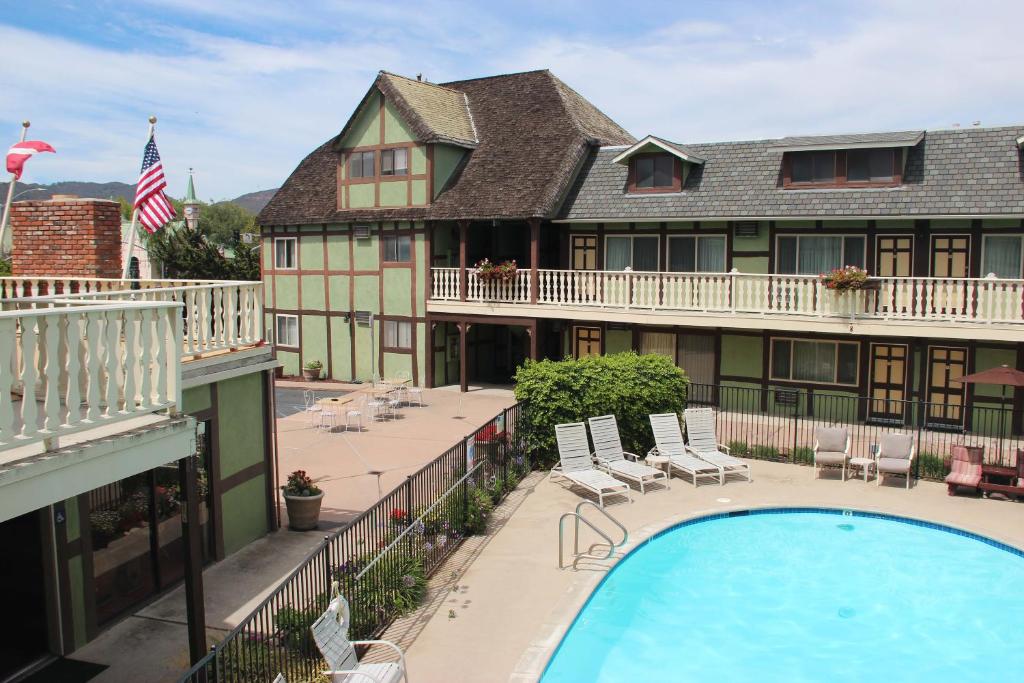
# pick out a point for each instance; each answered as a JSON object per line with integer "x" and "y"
{"x": 965, "y": 468}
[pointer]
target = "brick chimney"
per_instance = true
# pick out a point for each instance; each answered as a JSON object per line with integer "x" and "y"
{"x": 66, "y": 237}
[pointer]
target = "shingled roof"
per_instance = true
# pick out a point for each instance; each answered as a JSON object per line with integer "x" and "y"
{"x": 532, "y": 134}
{"x": 966, "y": 172}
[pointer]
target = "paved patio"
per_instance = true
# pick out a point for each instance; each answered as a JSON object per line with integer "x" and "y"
{"x": 341, "y": 463}
{"x": 511, "y": 603}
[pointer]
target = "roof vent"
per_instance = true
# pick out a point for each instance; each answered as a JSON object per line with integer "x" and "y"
{"x": 362, "y": 232}
{"x": 363, "y": 317}
{"x": 746, "y": 228}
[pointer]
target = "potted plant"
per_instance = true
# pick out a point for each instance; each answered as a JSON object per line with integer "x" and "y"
{"x": 302, "y": 498}
{"x": 311, "y": 370}
{"x": 496, "y": 272}
{"x": 845, "y": 279}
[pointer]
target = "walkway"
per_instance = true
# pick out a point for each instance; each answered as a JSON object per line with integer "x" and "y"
{"x": 512, "y": 604}
{"x": 340, "y": 463}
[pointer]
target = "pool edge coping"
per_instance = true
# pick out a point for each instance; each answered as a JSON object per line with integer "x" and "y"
{"x": 536, "y": 657}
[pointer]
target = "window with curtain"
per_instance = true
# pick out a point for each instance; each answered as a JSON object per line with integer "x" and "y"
{"x": 816, "y": 254}
{"x": 696, "y": 353}
{"x": 1001, "y": 255}
{"x": 696, "y": 254}
{"x": 360, "y": 165}
{"x": 660, "y": 343}
{"x": 397, "y": 335}
{"x": 820, "y": 362}
{"x": 638, "y": 252}
{"x": 287, "y": 330}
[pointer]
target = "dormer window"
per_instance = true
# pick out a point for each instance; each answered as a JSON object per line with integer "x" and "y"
{"x": 871, "y": 167}
{"x": 656, "y": 165}
{"x": 394, "y": 161}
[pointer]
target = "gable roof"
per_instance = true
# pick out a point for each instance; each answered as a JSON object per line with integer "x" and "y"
{"x": 905, "y": 138}
{"x": 532, "y": 131}
{"x": 962, "y": 172}
{"x": 670, "y": 147}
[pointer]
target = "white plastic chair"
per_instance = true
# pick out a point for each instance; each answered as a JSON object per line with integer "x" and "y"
{"x": 330, "y": 632}
{"x": 577, "y": 465}
{"x": 356, "y": 412}
{"x": 310, "y": 406}
{"x": 328, "y": 420}
{"x": 415, "y": 393}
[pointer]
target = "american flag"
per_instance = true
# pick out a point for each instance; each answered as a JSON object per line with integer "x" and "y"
{"x": 150, "y": 201}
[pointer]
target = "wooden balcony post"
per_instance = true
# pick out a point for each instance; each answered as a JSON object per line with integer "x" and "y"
{"x": 463, "y": 234}
{"x": 463, "y": 361}
{"x": 534, "y": 258}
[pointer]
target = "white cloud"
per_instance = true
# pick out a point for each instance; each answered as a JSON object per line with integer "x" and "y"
{"x": 244, "y": 110}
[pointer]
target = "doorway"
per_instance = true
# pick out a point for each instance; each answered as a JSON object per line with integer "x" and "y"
{"x": 24, "y": 592}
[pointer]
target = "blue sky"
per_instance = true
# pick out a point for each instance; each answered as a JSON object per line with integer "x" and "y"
{"x": 245, "y": 88}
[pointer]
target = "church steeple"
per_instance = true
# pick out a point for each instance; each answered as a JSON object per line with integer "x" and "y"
{"x": 191, "y": 204}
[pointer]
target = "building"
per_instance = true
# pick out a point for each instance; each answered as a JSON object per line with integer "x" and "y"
{"x": 710, "y": 254}
{"x": 104, "y": 400}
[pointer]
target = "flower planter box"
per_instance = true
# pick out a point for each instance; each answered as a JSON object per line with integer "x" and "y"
{"x": 311, "y": 374}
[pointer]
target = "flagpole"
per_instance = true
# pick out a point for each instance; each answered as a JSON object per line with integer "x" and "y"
{"x": 135, "y": 216}
{"x": 10, "y": 192}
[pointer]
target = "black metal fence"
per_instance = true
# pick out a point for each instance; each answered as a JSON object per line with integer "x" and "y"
{"x": 381, "y": 560}
{"x": 777, "y": 423}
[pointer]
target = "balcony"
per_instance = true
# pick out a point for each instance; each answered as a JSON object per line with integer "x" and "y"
{"x": 966, "y": 308}
{"x": 81, "y": 354}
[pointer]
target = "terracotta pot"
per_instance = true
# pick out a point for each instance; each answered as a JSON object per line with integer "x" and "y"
{"x": 311, "y": 374}
{"x": 303, "y": 511}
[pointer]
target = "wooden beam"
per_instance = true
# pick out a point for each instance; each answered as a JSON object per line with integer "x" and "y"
{"x": 463, "y": 378}
{"x": 192, "y": 534}
{"x": 534, "y": 258}
{"x": 463, "y": 235}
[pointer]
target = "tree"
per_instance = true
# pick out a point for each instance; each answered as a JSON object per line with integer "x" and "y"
{"x": 223, "y": 223}
{"x": 188, "y": 254}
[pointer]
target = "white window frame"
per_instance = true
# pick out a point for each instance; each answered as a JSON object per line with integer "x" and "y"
{"x": 384, "y": 248}
{"x": 631, "y": 237}
{"x": 295, "y": 253}
{"x": 397, "y": 327}
{"x": 278, "y": 319}
{"x": 696, "y": 250}
{"x": 835, "y": 342}
{"x": 984, "y": 246}
{"x": 800, "y": 235}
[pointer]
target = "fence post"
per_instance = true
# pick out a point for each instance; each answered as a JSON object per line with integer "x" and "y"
{"x": 408, "y": 511}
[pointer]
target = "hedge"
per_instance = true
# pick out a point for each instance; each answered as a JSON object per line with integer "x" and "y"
{"x": 625, "y": 385}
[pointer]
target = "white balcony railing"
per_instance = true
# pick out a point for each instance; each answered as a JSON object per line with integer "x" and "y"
{"x": 68, "y": 365}
{"x": 217, "y": 316}
{"x": 979, "y": 300}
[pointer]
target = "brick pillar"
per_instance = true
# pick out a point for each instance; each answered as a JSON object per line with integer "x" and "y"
{"x": 66, "y": 237}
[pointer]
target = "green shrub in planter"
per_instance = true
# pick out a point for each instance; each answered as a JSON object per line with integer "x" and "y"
{"x": 626, "y": 385}
{"x": 478, "y": 510}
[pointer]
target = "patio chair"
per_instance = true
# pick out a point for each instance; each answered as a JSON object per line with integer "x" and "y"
{"x": 355, "y": 410}
{"x": 831, "y": 449}
{"x": 895, "y": 455}
{"x": 310, "y": 406}
{"x": 668, "y": 443}
{"x": 965, "y": 468}
{"x": 577, "y": 465}
{"x": 330, "y": 632}
{"x": 702, "y": 442}
{"x": 613, "y": 459}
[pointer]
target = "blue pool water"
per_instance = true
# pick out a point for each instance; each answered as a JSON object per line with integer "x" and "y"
{"x": 802, "y": 596}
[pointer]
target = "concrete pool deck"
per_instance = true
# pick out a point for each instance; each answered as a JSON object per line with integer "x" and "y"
{"x": 512, "y": 604}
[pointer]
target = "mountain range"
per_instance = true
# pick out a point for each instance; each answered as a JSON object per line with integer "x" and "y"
{"x": 252, "y": 201}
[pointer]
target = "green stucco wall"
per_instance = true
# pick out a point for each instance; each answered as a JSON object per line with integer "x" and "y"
{"x": 446, "y": 160}
{"x": 245, "y": 514}
{"x": 617, "y": 341}
{"x": 741, "y": 356}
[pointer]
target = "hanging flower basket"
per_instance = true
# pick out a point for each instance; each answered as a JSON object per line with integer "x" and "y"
{"x": 496, "y": 272}
{"x": 846, "y": 279}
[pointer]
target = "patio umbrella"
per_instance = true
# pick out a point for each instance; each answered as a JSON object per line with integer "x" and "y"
{"x": 1003, "y": 376}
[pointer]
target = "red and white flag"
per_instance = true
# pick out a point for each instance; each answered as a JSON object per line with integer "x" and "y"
{"x": 150, "y": 201}
{"x": 18, "y": 154}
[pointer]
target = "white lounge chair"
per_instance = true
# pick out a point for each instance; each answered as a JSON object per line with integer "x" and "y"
{"x": 330, "y": 632}
{"x": 613, "y": 459}
{"x": 831, "y": 448}
{"x": 668, "y": 440}
{"x": 702, "y": 442}
{"x": 577, "y": 465}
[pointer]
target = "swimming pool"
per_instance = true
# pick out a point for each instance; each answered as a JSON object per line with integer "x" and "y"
{"x": 802, "y": 595}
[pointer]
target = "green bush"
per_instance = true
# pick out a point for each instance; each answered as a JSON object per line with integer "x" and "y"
{"x": 931, "y": 466}
{"x": 803, "y": 455}
{"x": 478, "y": 510}
{"x": 764, "y": 452}
{"x": 625, "y": 385}
{"x": 738, "y": 448}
